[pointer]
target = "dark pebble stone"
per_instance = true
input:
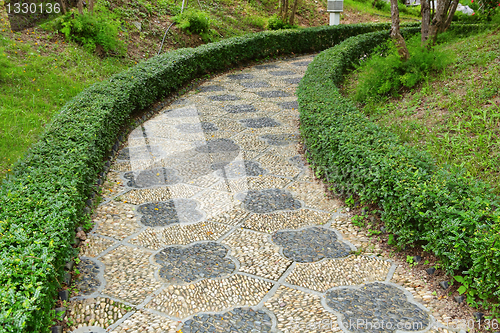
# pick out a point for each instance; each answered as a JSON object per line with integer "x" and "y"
{"x": 56, "y": 329}
{"x": 376, "y": 301}
{"x": 76, "y": 241}
{"x": 255, "y": 84}
{"x": 417, "y": 258}
{"x": 222, "y": 98}
{"x": 108, "y": 164}
{"x": 64, "y": 295}
{"x": 260, "y": 122}
{"x": 478, "y": 315}
{"x": 444, "y": 284}
{"x": 99, "y": 181}
{"x": 197, "y": 128}
{"x": 187, "y": 264}
{"x": 211, "y": 88}
{"x": 383, "y": 229}
{"x": 217, "y": 146}
{"x": 69, "y": 265}
{"x": 272, "y": 94}
{"x": 310, "y": 245}
{"x": 266, "y": 66}
{"x": 60, "y": 313}
{"x": 430, "y": 270}
{"x": 270, "y": 200}
{"x": 240, "y": 76}
{"x": 88, "y": 202}
{"x": 301, "y": 63}
{"x": 459, "y": 299}
{"x": 293, "y": 80}
{"x": 154, "y": 177}
{"x": 282, "y": 73}
{"x": 241, "y": 108}
{"x": 289, "y": 105}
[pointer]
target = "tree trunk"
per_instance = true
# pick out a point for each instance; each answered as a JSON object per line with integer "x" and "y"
{"x": 442, "y": 18}
{"x": 63, "y": 5}
{"x": 425, "y": 11}
{"x": 453, "y": 8}
{"x": 80, "y": 7}
{"x": 294, "y": 10}
{"x": 281, "y": 3}
{"x": 285, "y": 11}
{"x": 91, "y": 7}
{"x": 396, "y": 34}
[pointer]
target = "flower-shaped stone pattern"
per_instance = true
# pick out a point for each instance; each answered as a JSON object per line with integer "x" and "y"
{"x": 270, "y": 200}
{"x": 155, "y": 214}
{"x": 238, "y": 169}
{"x": 311, "y": 244}
{"x": 198, "y": 261}
{"x": 154, "y": 177}
{"x": 376, "y": 307}
{"x": 88, "y": 282}
{"x": 237, "y": 320}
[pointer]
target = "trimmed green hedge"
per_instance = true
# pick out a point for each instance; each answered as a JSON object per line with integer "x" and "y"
{"x": 451, "y": 215}
{"x": 43, "y": 201}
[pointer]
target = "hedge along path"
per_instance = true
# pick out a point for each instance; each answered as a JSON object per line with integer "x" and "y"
{"x": 213, "y": 222}
{"x": 43, "y": 201}
{"x": 455, "y": 217}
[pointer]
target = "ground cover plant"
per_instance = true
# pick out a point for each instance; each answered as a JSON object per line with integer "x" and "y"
{"x": 452, "y": 215}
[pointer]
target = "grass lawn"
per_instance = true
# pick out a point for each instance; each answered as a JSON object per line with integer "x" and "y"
{"x": 38, "y": 77}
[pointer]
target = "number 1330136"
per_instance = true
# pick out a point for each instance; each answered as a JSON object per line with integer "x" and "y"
{"x": 33, "y": 8}
{"x": 471, "y": 324}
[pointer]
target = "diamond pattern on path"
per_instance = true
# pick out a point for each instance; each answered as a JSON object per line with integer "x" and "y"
{"x": 212, "y": 221}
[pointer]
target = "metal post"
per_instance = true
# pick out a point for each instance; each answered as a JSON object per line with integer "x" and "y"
{"x": 334, "y": 18}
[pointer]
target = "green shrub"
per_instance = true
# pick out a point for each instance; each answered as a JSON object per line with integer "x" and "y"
{"x": 276, "y": 23}
{"x": 384, "y": 73}
{"x": 91, "y": 30}
{"x": 383, "y": 6}
{"x": 193, "y": 21}
{"x": 453, "y": 216}
{"x": 42, "y": 202}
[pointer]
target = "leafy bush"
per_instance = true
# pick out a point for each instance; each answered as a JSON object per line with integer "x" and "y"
{"x": 42, "y": 202}
{"x": 276, "y": 23}
{"x": 384, "y": 73}
{"x": 91, "y": 30}
{"x": 193, "y": 21}
{"x": 455, "y": 217}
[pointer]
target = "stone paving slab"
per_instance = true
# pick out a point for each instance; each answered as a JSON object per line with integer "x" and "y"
{"x": 212, "y": 221}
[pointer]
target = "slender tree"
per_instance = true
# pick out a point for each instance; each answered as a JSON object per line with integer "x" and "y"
{"x": 294, "y": 10}
{"x": 396, "y": 34}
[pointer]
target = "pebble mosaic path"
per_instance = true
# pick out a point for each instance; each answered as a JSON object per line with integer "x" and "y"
{"x": 212, "y": 222}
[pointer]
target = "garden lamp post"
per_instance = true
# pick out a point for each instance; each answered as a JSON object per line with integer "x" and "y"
{"x": 335, "y": 7}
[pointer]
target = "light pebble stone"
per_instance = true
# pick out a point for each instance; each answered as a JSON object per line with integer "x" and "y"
{"x": 210, "y": 295}
{"x": 164, "y": 193}
{"x": 115, "y": 219}
{"x": 142, "y": 321}
{"x": 154, "y": 238}
{"x": 94, "y": 245}
{"x": 87, "y": 312}
{"x": 329, "y": 273}
{"x": 257, "y": 255}
{"x": 297, "y": 311}
{"x": 286, "y": 220}
{"x": 129, "y": 274}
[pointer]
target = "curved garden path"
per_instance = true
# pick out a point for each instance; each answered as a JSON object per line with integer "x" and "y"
{"x": 212, "y": 222}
